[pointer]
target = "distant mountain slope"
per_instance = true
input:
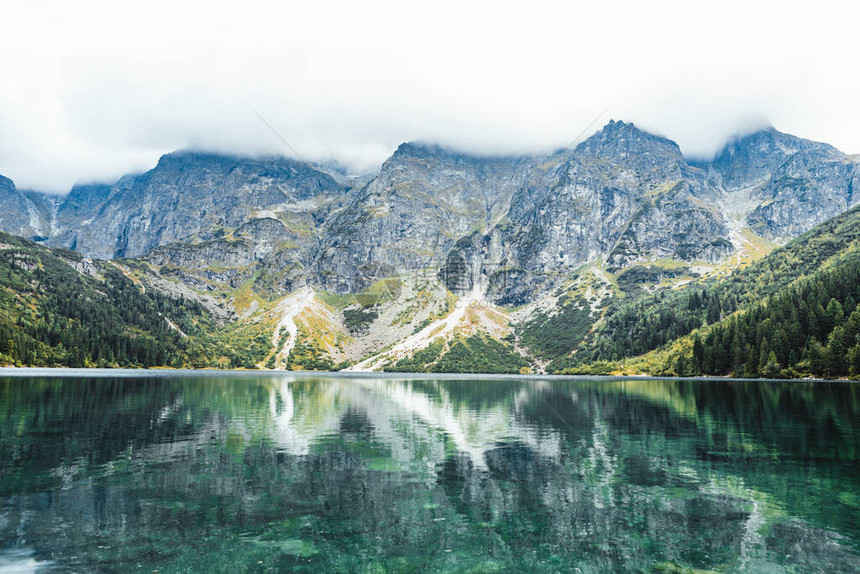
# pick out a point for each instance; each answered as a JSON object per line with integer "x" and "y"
{"x": 653, "y": 321}
{"x": 793, "y": 183}
{"x": 410, "y": 216}
{"x": 623, "y": 195}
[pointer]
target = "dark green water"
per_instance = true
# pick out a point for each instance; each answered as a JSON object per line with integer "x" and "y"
{"x": 241, "y": 473}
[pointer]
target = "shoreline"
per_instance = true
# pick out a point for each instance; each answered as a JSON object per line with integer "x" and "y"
{"x": 61, "y": 372}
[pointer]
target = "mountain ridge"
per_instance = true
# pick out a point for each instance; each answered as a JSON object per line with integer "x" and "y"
{"x": 536, "y": 241}
{"x": 559, "y": 199}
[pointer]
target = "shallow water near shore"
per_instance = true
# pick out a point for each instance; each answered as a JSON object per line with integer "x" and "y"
{"x": 250, "y": 472}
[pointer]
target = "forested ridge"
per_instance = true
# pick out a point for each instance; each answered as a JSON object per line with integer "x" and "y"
{"x": 811, "y": 327}
{"x": 52, "y": 315}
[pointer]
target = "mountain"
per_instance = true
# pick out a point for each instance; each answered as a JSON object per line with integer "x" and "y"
{"x": 622, "y": 196}
{"x": 514, "y": 225}
{"x": 652, "y": 321}
{"x": 548, "y": 257}
{"x": 216, "y": 220}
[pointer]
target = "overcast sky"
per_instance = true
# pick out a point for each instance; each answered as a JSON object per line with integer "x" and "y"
{"x": 90, "y": 90}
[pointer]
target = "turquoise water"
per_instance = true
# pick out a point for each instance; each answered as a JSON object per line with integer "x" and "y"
{"x": 257, "y": 473}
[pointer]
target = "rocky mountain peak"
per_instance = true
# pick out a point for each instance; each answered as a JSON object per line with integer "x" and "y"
{"x": 189, "y": 156}
{"x": 620, "y": 139}
{"x": 750, "y": 159}
{"x": 414, "y": 153}
{"x": 418, "y": 149}
{"x": 765, "y": 141}
{"x": 24, "y": 213}
{"x": 224, "y": 164}
{"x": 192, "y": 196}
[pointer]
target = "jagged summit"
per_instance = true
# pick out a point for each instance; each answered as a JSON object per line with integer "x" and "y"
{"x": 190, "y": 196}
{"x": 224, "y": 162}
{"x": 619, "y": 137}
{"x": 762, "y": 149}
{"x": 515, "y": 224}
{"x": 25, "y": 213}
{"x": 419, "y": 148}
{"x": 422, "y": 149}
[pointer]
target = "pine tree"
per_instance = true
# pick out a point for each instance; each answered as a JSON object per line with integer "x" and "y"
{"x": 771, "y": 368}
{"x": 792, "y": 359}
{"x": 834, "y": 354}
{"x": 698, "y": 354}
{"x": 854, "y": 360}
{"x": 764, "y": 355}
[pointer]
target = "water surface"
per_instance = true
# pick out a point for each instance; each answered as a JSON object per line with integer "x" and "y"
{"x": 144, "y": 472}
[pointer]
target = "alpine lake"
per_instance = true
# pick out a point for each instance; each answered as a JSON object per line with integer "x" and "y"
{"x": 171, "y": 471}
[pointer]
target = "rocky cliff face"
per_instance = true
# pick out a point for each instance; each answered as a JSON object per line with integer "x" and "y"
{"x": 190, "y": 197}
{"x": 25, "y": 213}
{"x": 793, "y": 184}
{"x": 265, "y": 251}
{"x": 409, "y": 217}
{"x": 622, "y": 195}
{"x": 750, "y": 160}
{"x": 510, "y": 227}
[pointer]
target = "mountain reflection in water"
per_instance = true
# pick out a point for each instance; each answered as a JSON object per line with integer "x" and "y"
{"x": 362, "y": 474}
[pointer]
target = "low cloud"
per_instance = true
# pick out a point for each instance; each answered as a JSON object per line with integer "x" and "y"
{"x": 97, "y": 89}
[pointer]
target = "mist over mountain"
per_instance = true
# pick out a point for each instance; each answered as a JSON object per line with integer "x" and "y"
{"x": 514, "y": 224}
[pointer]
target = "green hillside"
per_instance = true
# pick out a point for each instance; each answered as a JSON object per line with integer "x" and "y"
{"x": 51, "y": 314}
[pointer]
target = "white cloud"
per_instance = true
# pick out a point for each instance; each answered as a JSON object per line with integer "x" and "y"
{"x": 94, "y": 89}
